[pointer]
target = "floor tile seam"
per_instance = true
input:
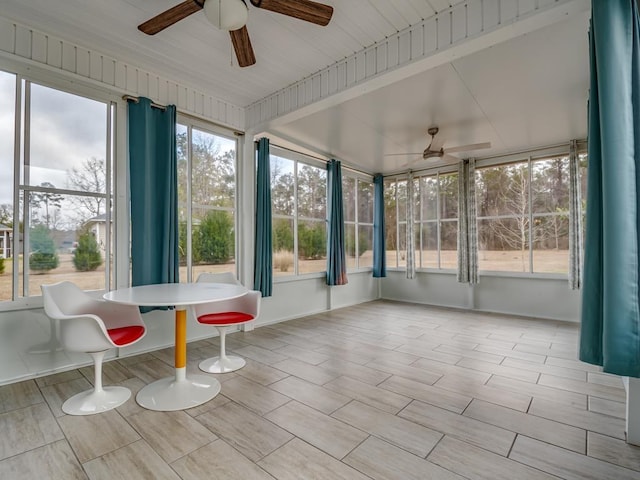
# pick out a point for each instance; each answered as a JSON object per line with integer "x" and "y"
{"x": 575, "y": 453}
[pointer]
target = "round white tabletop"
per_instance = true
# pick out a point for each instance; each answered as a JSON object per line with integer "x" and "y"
{"x": 175, "y": 294}
{"x": 179, "y": 392}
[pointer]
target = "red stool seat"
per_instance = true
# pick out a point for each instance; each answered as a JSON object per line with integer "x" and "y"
{"x": 224, "y": 318}
{"x": 125, "y": 335}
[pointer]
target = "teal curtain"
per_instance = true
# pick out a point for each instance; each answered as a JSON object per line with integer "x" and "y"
{"x": 336, "y": 264}
{"x": 379, "y": 248}
{"x": 153, "y": 183}
{"x": 610, "y": 334}
{"x": 263, "y": 262}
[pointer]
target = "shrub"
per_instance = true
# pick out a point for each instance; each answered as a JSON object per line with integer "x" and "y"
{"x": 1, "y": 265}
{"x": 213, "y": 241}
{"x": 87, "y": 257}
{"x": 350, "y": 245}
{"x": 43, "y": 257}
{"x": 282, "y": 235}
{"x": 312, "y": 242}
{"x": 283, "y": 260}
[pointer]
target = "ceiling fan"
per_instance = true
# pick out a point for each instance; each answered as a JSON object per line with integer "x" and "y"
{"x": 444, "y": 153}
{"x": 231, "y": 15}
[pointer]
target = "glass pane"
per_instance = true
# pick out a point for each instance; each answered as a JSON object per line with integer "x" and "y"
{"x": 283, "y": 247}
{"x": 282, "y": 185}
{"x": 365, "y": 202}
{"x": 551, "y": 244}
{"x": 449, "y": 244}
{"x": 503, "y": 190}
{"x": 350, "y": 246}
{"x": 390, "y": 223}
{"x": 503, "y": 244}
{"x": 63, "y": 246}
{"x": 212, "y": 241}
{"x": 429, "y": 245}
{"x": 550, "y": 185}
{"x": 68, "y": 141}
{"x": 449, "y": 196}
{"x": 213, "y": 160}
{"x": 365, "y": 246}
{"x": 312, "y": 247}
{"x": 7, "y": 106}
{"x": 183, "y": 173}
{"x": 428, "y": 200}
{"x": 349, "y": 198}
{"x": 312, "y": 192}
{"x": 401, "y": 196}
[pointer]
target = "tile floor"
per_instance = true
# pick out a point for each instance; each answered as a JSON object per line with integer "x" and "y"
{"x": 381, "y": 390}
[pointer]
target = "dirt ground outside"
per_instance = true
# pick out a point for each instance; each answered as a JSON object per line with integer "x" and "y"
{"x": 544, "y": 261}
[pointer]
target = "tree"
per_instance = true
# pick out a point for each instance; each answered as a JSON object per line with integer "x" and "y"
{"x": 87, "y": 257}
{"x": 91, "y": 176}
{"x": 49, "y": 200}
{"x": 43, "y": 255}
{"x": 312, "y": 241}
{"x": 282, "y": 235}
{"x": 6, "y": 214}
{"x": 213, "y": 240}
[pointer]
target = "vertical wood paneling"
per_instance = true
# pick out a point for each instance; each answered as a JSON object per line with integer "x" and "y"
{"x": 474, "y": 18}
{"x": 526, "y": 6}
{"x": 333, "y": 80}
{"x": 417, "y": 41}
{"x": 459, "y": 23}
{"x": 508, "y": 11}
{"x": 430, "y": 36}
{"x": 361, "y": 72}
{"x": 315, "y": 88}
{"x": 351, "y": 71}
{"x": 490, "y": 14}
{"x": 27, "y": 43}
{"x": 444, "y": 30}
{"x": 54, "y": 52}
{"x": 404, "y": 47}
{"x": 381, "y": 57}
{"x": 7, "y": 36}
{"x": 370, "y": 62}
{"x": 39, "y": 47}
{"x": 131, "y": 80}
{"x": 121, "y": 75}
{"x": 95, "y": 66}
{"x": 392, "y": 52}
{"x": 23, "y": 42}
{"x": 82, "y": 62}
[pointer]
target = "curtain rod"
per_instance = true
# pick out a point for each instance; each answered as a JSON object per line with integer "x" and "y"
{"x": 320, "y": 159}
{"x": 237, "y": 133}
{"x": 137, "y": 99}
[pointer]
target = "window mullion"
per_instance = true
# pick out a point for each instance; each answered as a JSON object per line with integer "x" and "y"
{"x": 530, "y": 197}
{"x": 438, "y": 228}
{"x": 26, "y": 225}
{"x": 295, "y": 218}
{"x": 17, "y": 143}
{"x": 189, "y": 202}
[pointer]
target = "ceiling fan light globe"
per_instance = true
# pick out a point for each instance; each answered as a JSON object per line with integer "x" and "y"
{"x": 226, "y": 14}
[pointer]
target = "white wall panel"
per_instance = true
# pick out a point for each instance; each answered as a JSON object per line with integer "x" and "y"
{"x": 20, "y": 42}
{"x": 452, "y": 27}
{"x": 533, "y": 297}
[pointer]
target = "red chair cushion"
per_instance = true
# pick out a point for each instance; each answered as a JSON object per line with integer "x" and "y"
{"x": 224, "y": 318}
{"x": 125, "y": 335}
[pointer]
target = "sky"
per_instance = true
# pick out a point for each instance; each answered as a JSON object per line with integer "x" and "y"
{"x": 65, "y": 131}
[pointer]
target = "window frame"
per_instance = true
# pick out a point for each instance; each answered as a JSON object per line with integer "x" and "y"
{"x": 204, "y": 126}
{"x": 24, "y": 78}
{"x": 359, "y": 177}
{"x": 297, "y": 158}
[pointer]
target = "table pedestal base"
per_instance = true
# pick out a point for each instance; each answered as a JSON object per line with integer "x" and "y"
{"x": 170, "y": 394}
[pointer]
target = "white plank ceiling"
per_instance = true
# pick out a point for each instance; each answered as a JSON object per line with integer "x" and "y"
{"x": 528, "y": 91}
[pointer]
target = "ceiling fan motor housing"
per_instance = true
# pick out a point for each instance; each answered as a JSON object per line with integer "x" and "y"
{"x": 226, "y": 14}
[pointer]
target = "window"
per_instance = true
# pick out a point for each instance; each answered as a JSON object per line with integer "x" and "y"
{"x": 523, "y": 216}
{"x": 206, "y": 200}
{"x": 358, "y": 222}
{"x": 61, "y": 206}
{"x": 299, "y": 209}
{"x": 435, "y": 199}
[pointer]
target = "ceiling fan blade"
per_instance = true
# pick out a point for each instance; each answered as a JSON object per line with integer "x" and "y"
{"x": 468, "y": 148}
{"x": 306, "y": 10}
{"x": 402, "y": 154}
{"x": 171, "y": 16}
{"x": 242, "y": 47}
